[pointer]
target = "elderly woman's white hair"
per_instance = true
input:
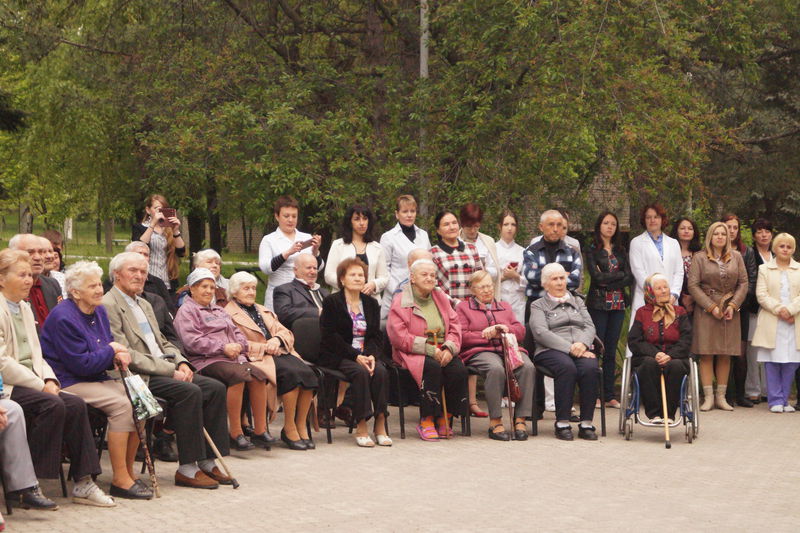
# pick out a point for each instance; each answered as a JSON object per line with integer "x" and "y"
{"x": 237, "y": 280}
{"x": 419, "y": 263}
{"x": 549, "y": 270}
{"x": 205, "y": 255}
{"x": 76, "y": 274}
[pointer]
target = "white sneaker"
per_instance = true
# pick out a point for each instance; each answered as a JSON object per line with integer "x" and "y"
{"x": 94, "y": 496}
{"x": 656, "y": 420}
{"x": 551, "y": 407}
{"x": 788, "y": 409}
{"x": 776, "y": 408}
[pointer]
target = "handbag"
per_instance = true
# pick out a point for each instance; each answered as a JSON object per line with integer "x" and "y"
{"x": 144, "y": 403}
{"x": 512, "y": 361}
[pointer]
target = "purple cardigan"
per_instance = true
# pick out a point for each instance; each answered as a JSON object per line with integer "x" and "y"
{"x": 76, "y": 345}
{"x": 205, "y": 331}
{"x": 475, "y": 317}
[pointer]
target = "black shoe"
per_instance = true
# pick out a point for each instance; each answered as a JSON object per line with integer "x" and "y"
{"x": 242, "y": 443}
{"x": 502, "y": 435}
{"x": 299, "y": 444}
{"x": 564, "y": 433}
{"x": 164, "y": 448}
{"x": 325, "y": 420}
{"x": 587, "y": 433}
{"x": 264, "y": 440}
{"x": 309, "y": 444}
{"x": 744, "y": 402}
{"x": 31, "y": 498}
{"x": 520, "y": 434}
{"x": 137, "y": 491}
{"x": 345, "y": 414}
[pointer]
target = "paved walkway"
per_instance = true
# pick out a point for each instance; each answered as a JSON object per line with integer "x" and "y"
{"x": 742, "y": 474}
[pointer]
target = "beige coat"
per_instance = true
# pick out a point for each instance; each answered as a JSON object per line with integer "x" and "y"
{"x": 256, "y": 344}
{"x": 768, "y": 292}
{"x": 708, "y": 284}
{"x": 14, "y": 372}
{"x": 126, "y": 331}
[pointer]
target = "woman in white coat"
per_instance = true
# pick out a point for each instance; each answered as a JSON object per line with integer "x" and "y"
{"x": 509, "y": 255}
{"x": 358, "y": 241}
{"x": 397, "y": 243}
{"x": 777, "y": 336}
{"x": 654, "y": 251}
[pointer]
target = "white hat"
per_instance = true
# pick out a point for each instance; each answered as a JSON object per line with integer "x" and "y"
{"x": 199, "y": 274}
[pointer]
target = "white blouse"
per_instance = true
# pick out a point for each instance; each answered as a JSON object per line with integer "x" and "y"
{"x": 512, "y": 291}
{"x": 272, "y": 245}
{"x": 396, "y": 247}
{"x": 376, "y": 262}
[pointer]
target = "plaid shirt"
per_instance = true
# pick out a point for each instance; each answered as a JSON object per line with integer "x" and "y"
{"x": 534, "y": 259}
{"x": 455, "y": 266}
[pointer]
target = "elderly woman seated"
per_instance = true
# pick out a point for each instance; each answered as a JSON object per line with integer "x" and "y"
{"x": 55, "y": 418}
{"x": 78, "y": 345}
{"x": 564, "y": 334}
{"x": 211, "y": 260}
{"x": 270, "y": 346}
{"x": 350, "y": 327}
{"x": 660, "y": 340}
{"x": 218, "y": 349}
{"x": 426, "y": 337}
{"x": 483, "y": 320}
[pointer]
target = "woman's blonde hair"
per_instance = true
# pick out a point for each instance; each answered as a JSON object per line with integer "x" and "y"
{"x": 726, "y": 250}
{"x": 477, "y": 277}
{"x": 779, "y": 238}
{"x": 9, "y": 258}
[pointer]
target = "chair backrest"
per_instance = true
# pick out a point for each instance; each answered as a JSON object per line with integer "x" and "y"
{"x": 306, "y": 338}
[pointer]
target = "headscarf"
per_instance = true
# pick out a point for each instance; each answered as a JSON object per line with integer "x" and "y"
{"x": 661, "y": 310}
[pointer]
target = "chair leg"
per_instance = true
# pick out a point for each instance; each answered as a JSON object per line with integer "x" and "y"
{"x": 534, "y": 411}
{"x": 602, "y": 403}
{"x": 329, "y": 409}
{"x": 308, "y": 426}
{"x": 400, "y": 403}
{"x": 63, "y": 480}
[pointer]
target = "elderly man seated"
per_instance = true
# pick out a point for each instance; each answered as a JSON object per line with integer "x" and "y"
{"x": 302, "y": 297}
{"x": 193, "y": 401}
{"x": 46, "y": 292}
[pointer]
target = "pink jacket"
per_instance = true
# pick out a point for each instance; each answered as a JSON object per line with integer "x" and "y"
{"x": 475, "y": 317}
{"x": 406, "y": 329}
{"x": 205, "y": 331}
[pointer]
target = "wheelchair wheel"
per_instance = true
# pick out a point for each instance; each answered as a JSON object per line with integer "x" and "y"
{"x": 624, "y": 397}
{"x": 694, "y": 390}
{"x": 689, "y": 433}
{"x": 628, "y": 430}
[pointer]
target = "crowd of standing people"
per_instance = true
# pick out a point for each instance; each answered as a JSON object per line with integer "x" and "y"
{"x": 443, "y": 311}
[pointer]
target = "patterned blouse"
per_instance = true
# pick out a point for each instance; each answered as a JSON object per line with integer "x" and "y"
{"x": 359, "y": 330}
{"x": 455, "y": 266}
{"x": 615, "y": 300}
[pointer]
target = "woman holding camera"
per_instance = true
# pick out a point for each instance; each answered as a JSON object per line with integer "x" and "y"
{"x": 161, "y": 231}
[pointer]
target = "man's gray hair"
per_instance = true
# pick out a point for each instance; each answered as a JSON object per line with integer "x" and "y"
{"x": 13, "y": 242}
{"x": 119, "y": 261}
{"x": 550, "y": 213}
{"x": 549, "y": 270}
{"x": 205, "y": 255}
{"x": 136, "y": 245}
{"x": 76, "y": 274}
{"x": 237, "y": 280}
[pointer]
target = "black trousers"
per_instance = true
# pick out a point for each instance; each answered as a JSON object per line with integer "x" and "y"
{"x": 53, "y": 421}
{"x": 367, "y": 393}
{"x": 567, "y": 371}
{"x": 190, "y": 408}
{"x": 649, "y": 374}
{"x": 453, "y": 377}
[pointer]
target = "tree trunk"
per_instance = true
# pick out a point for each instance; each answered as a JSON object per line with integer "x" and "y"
{"x": 109, "y": 231}
{"x": 212, "y": 214}
{"x": 197, "y": 230}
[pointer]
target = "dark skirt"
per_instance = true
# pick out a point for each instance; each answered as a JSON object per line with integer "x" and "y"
{"x": 292, "y": 372}
{"x": 233, "y": 373}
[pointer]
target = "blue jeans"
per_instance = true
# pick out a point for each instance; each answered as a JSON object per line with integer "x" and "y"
{"x": 608, "y": 325}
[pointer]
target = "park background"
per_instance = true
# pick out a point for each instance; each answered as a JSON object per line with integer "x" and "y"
{"x": 224, "y": 105}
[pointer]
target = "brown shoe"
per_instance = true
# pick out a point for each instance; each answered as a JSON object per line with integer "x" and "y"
{"x": 217, "y": 475}
{"x": 200, "y": 481}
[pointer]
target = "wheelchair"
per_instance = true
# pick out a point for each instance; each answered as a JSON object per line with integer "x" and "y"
{"x": 689, "y": 403}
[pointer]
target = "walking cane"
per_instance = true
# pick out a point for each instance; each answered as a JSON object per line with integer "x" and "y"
{"x": 142, "y": 435}
{"x": 667, "y": 443}
{"x": 430, "y": 333}
{"x": 508, "y": 370}
{"x": 219, "y": 458}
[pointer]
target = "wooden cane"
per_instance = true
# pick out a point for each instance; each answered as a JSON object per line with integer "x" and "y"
{"x": 219, "y": 458}
{"x": 667, "y": 443}
{"x": 142, "y": 436}
{"x": 508, "y": 370}
{"x": 432, "y": 335}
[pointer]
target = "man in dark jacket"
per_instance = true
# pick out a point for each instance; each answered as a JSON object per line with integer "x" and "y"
{"x": 302, "y": 297}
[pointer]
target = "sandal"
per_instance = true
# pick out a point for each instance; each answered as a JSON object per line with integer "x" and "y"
{"x": 475, "y": 410}
{"x": 365, "y": 442}
{"x": 383, "y": 440}
{"x": 427, "y": 433}
{"x": 445, "y": 431}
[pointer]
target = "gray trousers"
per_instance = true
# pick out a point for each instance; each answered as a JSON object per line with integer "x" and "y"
{"x": 15, "y": 458}
{"x": 490, "y": 366}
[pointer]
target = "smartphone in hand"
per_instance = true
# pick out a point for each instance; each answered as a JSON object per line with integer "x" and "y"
{"x": 513, "y": 264}
{"x": 306, "y": 244}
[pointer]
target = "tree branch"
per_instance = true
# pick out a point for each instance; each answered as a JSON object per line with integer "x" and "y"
{"x": 770, "y": 138}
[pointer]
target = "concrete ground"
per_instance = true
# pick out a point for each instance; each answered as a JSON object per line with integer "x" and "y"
{"x": 742, "y": 474}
